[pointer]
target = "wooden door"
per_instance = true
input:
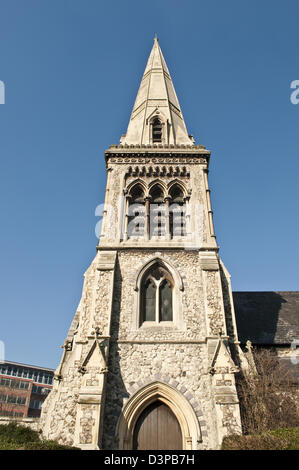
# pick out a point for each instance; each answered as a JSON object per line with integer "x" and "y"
{"x": 157, "y": 429}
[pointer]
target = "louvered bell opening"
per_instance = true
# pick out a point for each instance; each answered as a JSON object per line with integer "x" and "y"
{"x": 157, "y": 131}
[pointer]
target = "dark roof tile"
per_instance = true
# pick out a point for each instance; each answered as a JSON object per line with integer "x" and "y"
{"x": 267, "y": 317}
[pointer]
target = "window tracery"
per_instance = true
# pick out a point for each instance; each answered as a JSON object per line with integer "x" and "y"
{"x": 156, "y": 295}
{"x": 156, "y": 212}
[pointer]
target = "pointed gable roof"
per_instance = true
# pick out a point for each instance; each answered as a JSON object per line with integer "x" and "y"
{"x": 156, "y": 98}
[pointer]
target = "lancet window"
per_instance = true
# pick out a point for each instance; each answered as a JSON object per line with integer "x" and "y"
{"x": 156, "y": 295}
{"x": 177, "y": 212}
{"x": 136, "y": 212}
{"x": 157, "y": 131}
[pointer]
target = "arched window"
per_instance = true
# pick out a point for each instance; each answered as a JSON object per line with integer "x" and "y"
{"x": 149, "y": 301}
{"x": 136, "y": 212}
{"x": 165, "y": 300}
{"x": 177, "y": 212}
{"x": 157, "y": 212}
{"x": 156, "y": 295}
{"x": 157, "y": 130}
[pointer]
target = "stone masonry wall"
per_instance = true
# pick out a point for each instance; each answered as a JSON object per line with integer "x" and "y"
{"x": 176, "y": 356}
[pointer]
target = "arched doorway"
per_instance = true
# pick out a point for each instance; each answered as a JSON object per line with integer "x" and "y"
{"x": 157, "y": 428}
{"x": 149, "y": 395}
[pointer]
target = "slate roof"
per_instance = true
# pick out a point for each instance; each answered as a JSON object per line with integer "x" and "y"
{"x": 267, "y": 318}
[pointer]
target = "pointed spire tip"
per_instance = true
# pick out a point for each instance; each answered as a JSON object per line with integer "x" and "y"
{"x": 152, "y": 91}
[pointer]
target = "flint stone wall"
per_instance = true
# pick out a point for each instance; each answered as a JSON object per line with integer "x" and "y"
{"x": 172, "y": 355}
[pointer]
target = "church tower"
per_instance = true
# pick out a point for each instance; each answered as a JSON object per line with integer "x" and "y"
{"x": 151, "y": 355}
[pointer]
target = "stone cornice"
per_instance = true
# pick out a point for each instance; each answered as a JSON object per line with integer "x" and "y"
{"x": 146, "y": 246}
{"x": 157, "y": 148}
{"x": 161, "y": 341}
{"x": 165, "y": 157}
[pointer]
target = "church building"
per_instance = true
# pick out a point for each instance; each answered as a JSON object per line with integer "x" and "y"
{"x": 150, "y": 358}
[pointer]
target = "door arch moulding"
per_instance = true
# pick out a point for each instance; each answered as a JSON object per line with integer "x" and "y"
{"x": 179, "y": 405}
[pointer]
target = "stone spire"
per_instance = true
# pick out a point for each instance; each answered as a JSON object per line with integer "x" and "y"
{"x": 156, "y": 98}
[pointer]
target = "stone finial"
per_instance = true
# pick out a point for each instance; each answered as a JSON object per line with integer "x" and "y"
{"x": 96, "y": 331}
{"x": 82, "y": 370}
{"x": 67, "y": 345}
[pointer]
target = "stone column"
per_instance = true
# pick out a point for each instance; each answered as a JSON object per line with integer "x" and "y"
{"x": 147, "y": 219}
{"x": 106, "y": 205}
{"x": 187, "y": 217}
{"x": 210, "y": 212}
{"x": 127, "y": 208}
{"x": 167, "y": 219}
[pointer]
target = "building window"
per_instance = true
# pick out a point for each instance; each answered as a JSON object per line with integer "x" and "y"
{"x": 165, "y": 301}
{"x": 157, "y": 131}
{"x": 11, "y": 383}
{"x": 35, "y": 404}
{"x": 136, "y": 212}
{"x": 40, "y": 390}
{"x": 13, "y": 399}
{"x": 21, "y": 400}
{"x": 5, "y": 382}
{"x": 3, "y": 398}
{"x": 24, "y": 385}
{"x": 156, "y": 295}
{"x": 149, "y": 301}
{"x": 157, "y": 212}
{"x": 177, "y": 212}
{"x": 47, "y": 379}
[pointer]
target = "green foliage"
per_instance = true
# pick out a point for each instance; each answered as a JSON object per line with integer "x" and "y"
{"x": 47, "y": 445}
{"x": 14, "y": 436}
{"x": 13, "y": 433}
{"x": 278, "y": 439}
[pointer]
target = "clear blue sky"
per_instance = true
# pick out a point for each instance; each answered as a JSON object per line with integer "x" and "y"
{"x": 71, "y": 70}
